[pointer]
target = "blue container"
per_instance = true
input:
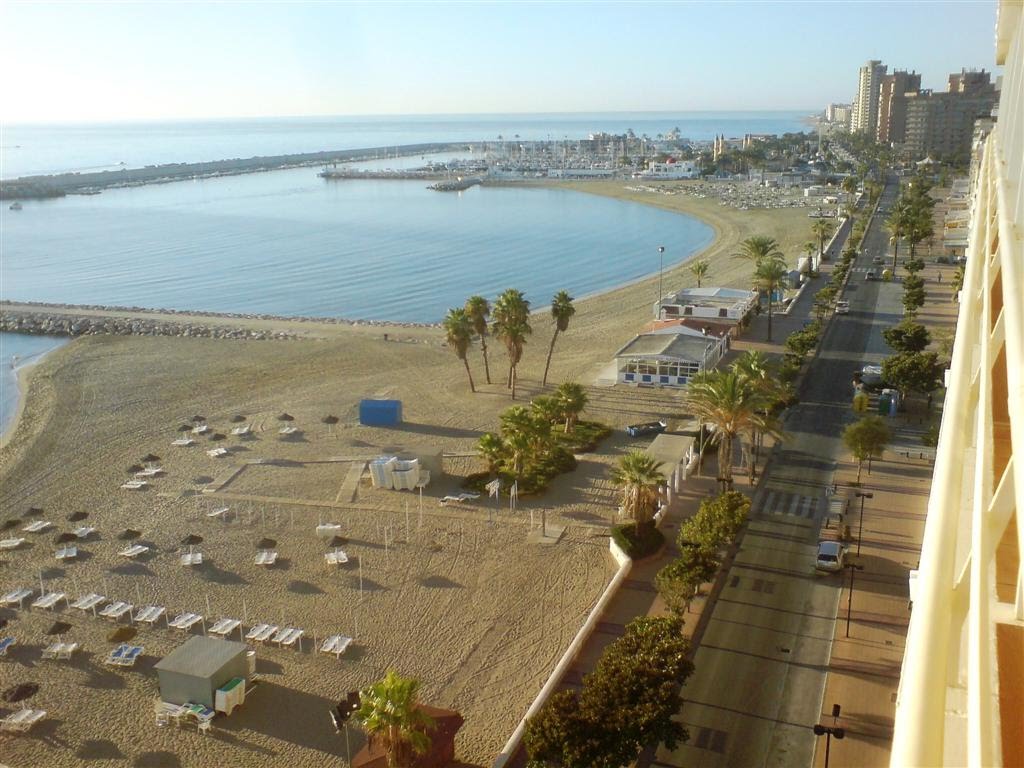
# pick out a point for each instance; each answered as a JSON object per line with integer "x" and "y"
{"x": 380, "y": 413}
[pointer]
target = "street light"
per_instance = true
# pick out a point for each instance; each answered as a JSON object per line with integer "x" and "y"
{"x": 661, "y": 270}
{"x": 849, "y": 600}
{"x": 860, "y": 528}
{"x": 829, "y": 731}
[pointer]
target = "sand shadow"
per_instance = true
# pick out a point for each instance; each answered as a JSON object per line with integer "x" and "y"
{"x": 156, "y": 759}
{"x": 365, "y": 543}
{"x": 131, "y": 569}
{"x": 99, "y": 749}
{"x": 368, "y": 584}
{"x": 438, "y": 582}
{"x": 263, "y": 713}
{"x": 435, "y": 430}
{"x": 212, "y": 573}
{"x": 304, "y": 588}
{"x": 52, "y": 573}
{"x": 265, "y": 666}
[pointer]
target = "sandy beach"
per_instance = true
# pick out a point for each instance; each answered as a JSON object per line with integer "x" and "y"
{"x": 468, "y": 606}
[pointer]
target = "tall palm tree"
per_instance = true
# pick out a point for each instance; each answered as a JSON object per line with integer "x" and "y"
{"x": 389, "y": 714}
{"x": 458, "y": 330}
{"x": 562, "y": 311}
{"x": 479, "y": 311}
{"x": 638, "y": 475}
{"x": 896, "y": 224}
{"x": 768, "y": 276}
{"x": 821, "y": 228}
{"x": 758, "y": 248}
{"x": 492, "y": 450}
{"x": 511, "y": 324}
{"x": 699, "y": 269}
{"x": 572, "y": 399}
{"x": 728, "y": 402}
{"x": 760, "y": 372}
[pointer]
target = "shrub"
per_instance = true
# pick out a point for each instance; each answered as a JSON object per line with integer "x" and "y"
{"x": 679, "y": 581}
{"x": 638, "y": 541}
{"x": 584, "y": 438}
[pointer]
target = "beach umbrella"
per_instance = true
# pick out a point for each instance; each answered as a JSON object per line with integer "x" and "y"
{"x": 237, "y": 418}
{"x": 149, "y": 458}
{"x": 128, "y": 534}
{"x": 74, "y": 517}
{"x": 134, "y": 468}
{"x": 33, "y": 511}
{"x": 266, "y": 543}
{"x": 185, "y": 428}
{"x": 218, "y": 436}
{"x": 192, "y": 539}
{"x": 198, "y": 419}
{"x": 286, "y": 417}
{"x": 64, "y": 538}
{"x": 202, "y": 480}
{"x": 20, "y": 692}
{"x": 330, "y": 421}
{"x": 58, "y": 628}
{"x": 8, "y": 524}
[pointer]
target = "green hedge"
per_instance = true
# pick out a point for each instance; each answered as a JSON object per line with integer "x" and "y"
{"x": 584, "y": 438}
{"x": 638, "y": 541}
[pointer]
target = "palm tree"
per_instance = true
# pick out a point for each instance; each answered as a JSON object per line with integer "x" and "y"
{"x": 458, "y": 330}
{"x": 731, "y": 404}
{"x": 699, "y": 269}
{"x": 638, "y": 475}
{"x": 562, "y": 311}
{"x": 492, "y": 450}
{"x": 821, "y": 228}
{"x": 767, "y": 277}
{"x": 389, "y": 714}
{"x": 511, "y": 324}
{"x": 760, "y": 372}
{"x": 479, "y": 310}
{"x": 572, "y": 399}
{"x": 896, "y": 224}
{"x": 758, "y": 248}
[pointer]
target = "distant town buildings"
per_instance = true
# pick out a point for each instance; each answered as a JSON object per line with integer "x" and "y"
{"x": 839, "y": 114}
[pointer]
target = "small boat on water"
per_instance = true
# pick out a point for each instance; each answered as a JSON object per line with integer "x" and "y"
{"x": 15, "y": 206}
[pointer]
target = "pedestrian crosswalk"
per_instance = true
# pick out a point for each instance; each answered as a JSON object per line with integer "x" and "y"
{"x": 770, "y": 501}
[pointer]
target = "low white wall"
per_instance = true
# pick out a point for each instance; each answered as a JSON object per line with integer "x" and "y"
{"x": 625, "y": 564}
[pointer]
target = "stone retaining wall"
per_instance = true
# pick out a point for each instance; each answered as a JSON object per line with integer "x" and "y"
{"x": 71, "y": 325}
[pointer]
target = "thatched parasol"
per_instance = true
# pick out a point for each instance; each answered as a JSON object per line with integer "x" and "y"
{"x": 64, "y": 538}
{"x": 149, "y": 458}
{"x": 266, "y": 543}
{"x": 237, "y": 418}
{"x": 33, "y": 512}
{"x": 192, "y": 539}
{"x": 218, "y": 436}
{"x": 202, "y": 480}
{"x": 286, "y": 417}
{"x": 185, "y": 428}
{"x": 58, "y": 628}
{"x": 198, "y": 419}
{"x": 20, "y": 692}
{"x": 330, "y": 421}
{"x": 134, "y": 468}
{"x": 128, "y": 534}
{"x": 74, "y": 517}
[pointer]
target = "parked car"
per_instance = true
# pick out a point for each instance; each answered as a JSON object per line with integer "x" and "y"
{"x": 647, "y": 428}
{"x": 831, "y": 556}
{"x": 842, "y": 307}
{"x": 877, "y": 260}
{"x": 870, "y": 376}
{"x": 871, "y": 275}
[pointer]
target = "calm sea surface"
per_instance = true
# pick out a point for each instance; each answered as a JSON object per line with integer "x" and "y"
{"x": 16, "y": 350}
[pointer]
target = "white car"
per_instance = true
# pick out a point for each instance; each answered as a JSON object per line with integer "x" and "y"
{"x": 831, "y": 555}
{"x": 842, "y": 307}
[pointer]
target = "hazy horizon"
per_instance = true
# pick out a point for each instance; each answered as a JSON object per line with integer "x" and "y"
{"x": 144, "y": 62}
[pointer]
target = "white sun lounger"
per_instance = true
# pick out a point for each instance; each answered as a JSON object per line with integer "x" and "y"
{"x": 59, "y": 650}
{"x": 116, "y": 610}
{"x": 185, "y": 621}
{"x": 283, "y": 634}
{"x": 88, "y": 602}
{"x": 336, "y": 644}
{"x": 15, "y": 596}
{"x": 49, "y": 600}
{"x": 256, "y": 631}
{"x": 336, "y": 557}
{"x": 291, "y": 638}
{"x": 216, "y": 453}
{"x": 69, "y": 552}
{"x": 183, "y": 442}
{"x": 218, "y": 512}
{"x": 150, "y": 472}
{"x": 134, "y": 485}
{"x": 200, "y": 429}
{"x": 269, "y": 630}
{"x": 11, "y": 543}
{"x": 328, "y": 529}
{"x": 37, "y": 527}
{"x": 287, "y": 430}
{"x": 266, "y": 557}
{"x": 84, "y": 532}
{"x": 445, "y": 500}
{"x": 150, "y": 614}
{"x": 224, "y": 627}
{"x": 192, "y": 558}
{"x": 243, "y": 430}
{"x": 22, "y": 720}
{"x": 134, "y": 550}
{"x": 6, "y": 643}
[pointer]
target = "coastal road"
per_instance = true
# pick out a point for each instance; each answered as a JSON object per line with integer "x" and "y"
{"x": 760, "y": 670}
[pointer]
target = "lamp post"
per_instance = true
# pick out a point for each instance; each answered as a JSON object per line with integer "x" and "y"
{"x": 661, "y": 270}
{"x": 829, "y": 731}
{"x": 860, "y": 528}
{"x": 849, "y": 600}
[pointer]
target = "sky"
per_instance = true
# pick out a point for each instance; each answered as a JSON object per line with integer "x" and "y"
{"x": 87, "y": 61}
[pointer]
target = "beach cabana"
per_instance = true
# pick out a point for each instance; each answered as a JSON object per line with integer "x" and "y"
{"x": 442, "y": 743}
{"x": 196, "y": 670}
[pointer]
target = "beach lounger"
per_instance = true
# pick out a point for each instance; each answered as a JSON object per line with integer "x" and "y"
{"x": 134, "y": 485}
{"x": 69, "y": 552}
{"x": 336, "y": 557}
{"x": 185, "y": 621}
{"x": 243, "y": 430}
{"x": 88, "y": 602}
{"x": 445, "y": 500}
{"x": 256, "y": 631}
{"x": 216, "y": 453}
{"x": 183, "y": 442}
{"x": 225, "y": 627}
{"x": 50, "y": 651}
{"x": 328, "y": 529}
{"x": 149, "y": 615}
{"x": 37, "y": 527}
{"x": 6, "y": 643}
{"x": 66, "y": 651}
{"x": 84, "y": 532}
{"x": 292, "y": 638}
{"x": 116, "y": 610}
{"x": 266, "y": 557}
{"x": 200, "y": 429}
{"x": 15, "y": 596}
{"x": 192, "y": 558}
{"x": 115, "y": 656}
{"x": 336, "y": 644}
{"x": 22, "y": 720}
{"x": 281, "y": 634}
{"x": 134, "y": 550}
{"x": 287, "y": 430}
{"x": 11, "y": 543}
{"x": 49, "y": 600}
{"x": 128, "y": 659}
{"x": 218, "y": 512}
{"x": 269, "y": 631}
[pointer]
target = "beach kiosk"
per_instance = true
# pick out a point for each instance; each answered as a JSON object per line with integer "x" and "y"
{"x": 206, "y": 671}
{"x": 380, "y": 413}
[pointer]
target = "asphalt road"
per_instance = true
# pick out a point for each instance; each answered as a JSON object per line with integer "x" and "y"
{"x": 761, "y": 667}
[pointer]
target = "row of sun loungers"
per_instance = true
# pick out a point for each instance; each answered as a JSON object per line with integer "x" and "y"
{"x": 245, "y": 429}
{"x": 88, "y": 602}
{"x": 15, "y": 596}
{"x": 218, "y": 512}
{"x": 59, "y": 651}
{"x": 22, "y": 720}
{"x": 125, "y": 655}
{"x": 84, "y": 532}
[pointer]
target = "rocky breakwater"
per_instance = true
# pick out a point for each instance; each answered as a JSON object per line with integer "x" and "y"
{"x": 52, "y": 324}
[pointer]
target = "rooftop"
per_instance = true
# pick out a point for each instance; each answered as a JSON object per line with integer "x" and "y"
{"x": 678, "y": 346}
{"x": 201, "y": 656}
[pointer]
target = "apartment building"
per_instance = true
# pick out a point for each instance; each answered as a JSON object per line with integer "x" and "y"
{"x": 941, "y": 125}
{"x": 864, "y": 116}
{"x": 892, "y": 105}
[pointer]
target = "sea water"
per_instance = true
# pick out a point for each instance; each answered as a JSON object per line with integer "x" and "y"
{"x": 17, "y": 350}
